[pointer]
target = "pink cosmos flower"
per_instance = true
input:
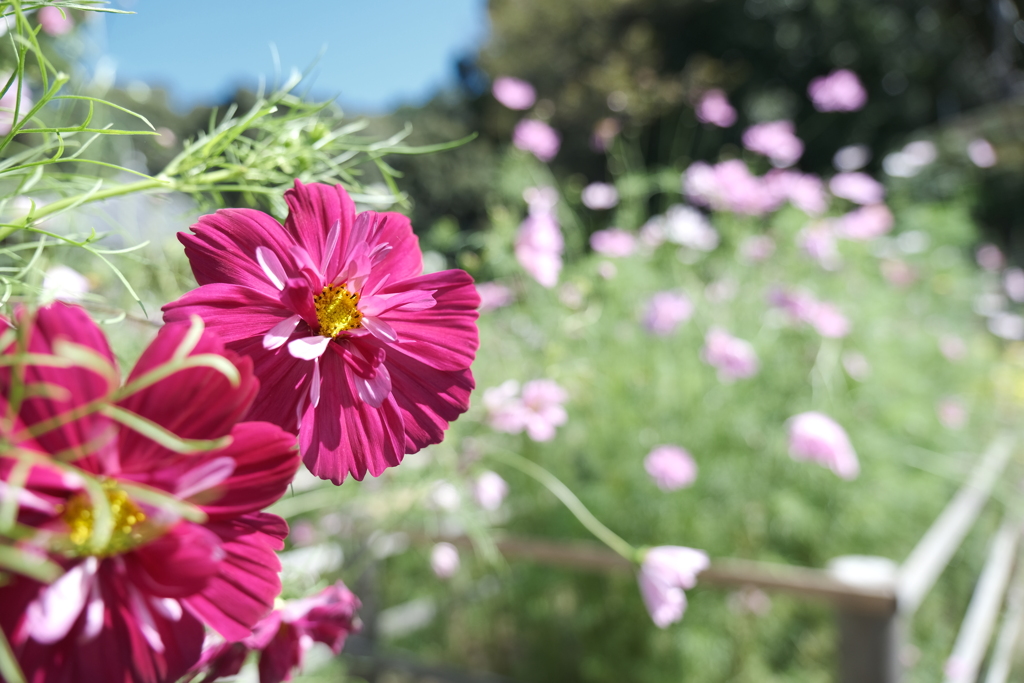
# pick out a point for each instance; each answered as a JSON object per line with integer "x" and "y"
{"x": 733, "y": 358}
{"x": 285, "y": 635}
{"x": 613, "y": 242}
{"x": 952, "y": 412}
{"x": 729, "y": 186}
{"x": 666, "y": 311}
{"x": 805, "y": 191}
{"x": 990, "y": 257}
{"x": 952, "y": 347}
{"x": 494, "y": 295}
{"x": 841, "y": 90}
{"x": 688, "y": 227}
{"x": 539, "y": 243}
{"x": 714, "y": 108}
{"x": 54, "y": 22}
{"x": 132, "y": 604}
{"x": 489, "y": 490}
{"x": 817, "y": 437}
{"x": 981, "y": 153}
{"x": 64, "y": 284}
{"x": 538, "y": 411}
{"x": 514, "y": 93}
{"x": 671, "y": 467}
{"x": 804, "y": 307}
{"x": 776, "y": 140}
{"x": 537, "y": 138}
{"x": 444, "y": 560}
{"x": 898, "y": 272}
{"x": 756, "y": 248}
{"x": 599, "y": 196}
{"x": 1013, "y": 284}
{"x": 363, "y": 356}
{"x": 866, "y": 223}
{"x": 818, "y": 241}
{"x": 859, "y": 188}
{"x": 666, "y": 571}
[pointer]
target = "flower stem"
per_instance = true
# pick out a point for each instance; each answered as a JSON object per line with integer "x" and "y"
{"x": 569, "y": 499}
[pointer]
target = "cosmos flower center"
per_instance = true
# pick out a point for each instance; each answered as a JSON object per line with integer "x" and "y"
{"x": 80, "y": 517}
{"x": 336, "y": 310}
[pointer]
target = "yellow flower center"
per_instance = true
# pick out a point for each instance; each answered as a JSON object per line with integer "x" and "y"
{"x": 127, "y": 518}
{"x": 336, "y": 310}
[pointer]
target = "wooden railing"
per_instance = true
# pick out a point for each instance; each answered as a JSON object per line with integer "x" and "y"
{"x": 874, "y": 598}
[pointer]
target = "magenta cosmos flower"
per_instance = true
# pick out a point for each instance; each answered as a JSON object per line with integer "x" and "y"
{"x": 514, "y": 93}
{"x": 666, "y": 571}
{"x": 285, "y": 635}
{"x": 132, "y": 603}
{"x": 356, "y": 350}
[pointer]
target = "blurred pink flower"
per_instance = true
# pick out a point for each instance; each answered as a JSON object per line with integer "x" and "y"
{"x": 444, "y": 560}
{"x": 613, "y": 242}
{"x": 1013, "y": 284}
{"x": 805, "y": 191}
{"x": 605, "y": 131}
{"x": 514, "y": 93}
{"x": 599, "y": 196}
{"x": 64, "y": 284}
{"x": 776, "y": 140}
{"x": 607, "y": 270}
{"x": 856, "y": 365}
{"x": 489, "y": 490}
{"x": 688, "y": 227}
{"x": 53, "y": 22}
{"x": 859, "y": 188}
{"x": 750, "y": 600}
{"x": 990, "y": 257}
{"x": 538, "y": 411}
{"x": 505, "y": 410}
{"x": 494, "y": 295}
{"x": 804, "y": 307}
{"x": 285, "y": 635}
{"x": 10, "y": 100}
{"x": 817, "y": 437}
{"x": 539, "y": 244}
{"x": 952, "y": 412}
{"x": 537, "y": 138}
{"x": 714, "y": 108}
{"x": 898, "y": 272}
{"x": 666, "y": 311}
{"x": 671, "y": 467}
{"x": 841, "y": 90}
{"x": 666, "y": 571}
{"x": 729, "y": 186}
{"x": 756, "y": 248}
{"x": 952, "y": 347}
{"x": 865, "y": 223}
{"x": 734, "y": 358}
{"x": 981, "y": 153}
{"x": 819, "y": 242}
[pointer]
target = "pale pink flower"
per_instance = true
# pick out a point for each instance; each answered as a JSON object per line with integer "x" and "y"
{"x": 866, "y": 223}
{"x": 494, "y": 296}
{"x": 990, "y": 257}
{"x": 805, "y": 191}
{"x": 841, "y": 90}
{"x": 1013, "y": 284}
{"x": 537, "y": 138}
{"x": 734, "y": 358}
{"x": 514, "y": 93}
{"x": 828, "y": 321}
{"x": 776, "y": 140}
{"x": 729, "y": 186}
{"x": 54, "y": 22}
{"x": 666, "y": 311}
{"x": 607, "y": 270}
{"x": 539, "y": 244}
{"x": 981, "y": 153}
{"x": 444, "y": 560}
{"x": 671, "y": 467}
{"x": 856, "y": 365}
{"x": 489, "y": 490}
{"x": 756, "y": 248}
{"x": 613, "y": 242}
{"x": 817, "y": 437}
{"x": 688, "y": 227}
{"x": 505, "y": 410}
{"x": 714, "y": 108}
{"x": 898, "y": 272}
{"x": 952, "y": 347}
{"x": 952, "y": 412}
{"x": 819, "y": 242}
{"x": 852, "y": 157}
{"x": 666, "y": 571}
{"x": 543, "y": 399}
{"x": 64, "y": 284}
{"x": 859, "y": 188}
{"x": 10, "y": 100}
{"x": 599, "y": 196}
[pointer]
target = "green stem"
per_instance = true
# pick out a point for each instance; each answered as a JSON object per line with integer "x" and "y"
{"x": 569, "y": 499}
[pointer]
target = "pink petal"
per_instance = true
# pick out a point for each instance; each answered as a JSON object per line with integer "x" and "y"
{"x": 56, "y": 609}
{"x": 314, "y": 386}
{"x": 380, "y": 329}
{"x": 374, "y": 390}
{"x": 332, "y": 246}
{"x": 179, "y": 563}
{"x": 428, "y": 398}
{"x": 312, "y": 210}
{"x": 232, "y": 311}
{"x": 280, "y": 332}
{"x": 271, "y": 266}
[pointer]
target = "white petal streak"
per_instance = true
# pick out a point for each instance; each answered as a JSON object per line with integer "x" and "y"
{"x": 314, "y": 387}
{"x": 52, "y": 614}
{"x": 308, "y": 348}
{"x": 374, "y": 391}
{"x": 380, "y": 329}
{"x": 280, "y": 332}
{"x": 271, "y": 266}
{"x": 205, "y": 476}
{"x": 332, "y": 244}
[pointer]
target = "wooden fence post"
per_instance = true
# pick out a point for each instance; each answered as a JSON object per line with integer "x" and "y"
{"x": 870, "y": 641}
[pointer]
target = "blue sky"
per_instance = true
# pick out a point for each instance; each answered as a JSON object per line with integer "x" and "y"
{"x": 379, "y": 53}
